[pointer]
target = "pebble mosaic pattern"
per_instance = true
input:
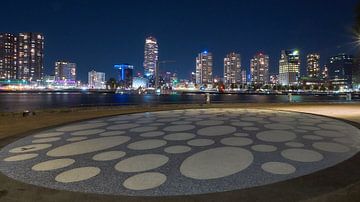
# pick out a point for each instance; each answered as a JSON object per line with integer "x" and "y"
{"x": 180, "y": 152}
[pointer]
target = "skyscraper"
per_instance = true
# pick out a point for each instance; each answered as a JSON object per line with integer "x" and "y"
{"x": 340, "y": 69}
{"x": 289, "y": 67}
{"x": 65, "y": 70}
{"x": 151, "y": 56}
{"x": 96, "y": 80}
{"x": 204, "y": 65}
{"x": 313, "y": 66}
{"x": 30, "y": 56}
{"x": 259, "y": 69}
{"x": 125, "y": 75}
{"x": 232, "y": 69}
{"x": 8, "y": 56}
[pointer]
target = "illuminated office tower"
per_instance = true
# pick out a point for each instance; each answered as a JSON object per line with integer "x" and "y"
{"x": 204, "y": 65}
{"x": 30, "y": 56}
{"x": 96, "y": 80}
{"x": 232, "y": 69}
{"x": 8, "y": 57}
{"x": 289, "y": 67}
{"x": 259, "y": 69}
{"x": 151, "y": 56}
{"x": 125, "y": 75}
{"x": 313, "y": 66}
{"x": 340, "y": 70}
{"x": 65, "y": 70}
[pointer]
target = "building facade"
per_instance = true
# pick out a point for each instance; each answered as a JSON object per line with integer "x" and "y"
{"x": 125, "y": 75}
{"x": 313, "y": 65}
{"x": 30, "y": 56}
{"x": 8, "y": 56}
{"x": 289, "y": 67}
{"x": 259, "y": 69}
{"x": 340, "y": 69}
{"x": 204, "y": 66}
{"x": 96, "y": 80}
{"x": 151, "y": 56}
{"x": 232, "y": 69}
{"x": 65, "y": 70}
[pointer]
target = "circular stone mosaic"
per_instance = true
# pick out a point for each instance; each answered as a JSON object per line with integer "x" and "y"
{"x": 180, "y": 152}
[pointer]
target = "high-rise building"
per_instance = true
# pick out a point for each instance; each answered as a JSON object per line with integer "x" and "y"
{"x": 289, "y": 67}
{"x": 96, "y": 80}
{"x": 259, "y": 69}
{"x": 325, "y": 72}
{"x": 232, "y": 69}
{"x": 313, "y": 66}
{"x": 8, "y": 56}
{"x": 151, "y": 56}
{"x": 204, "y": 65}
{"x": 30, "y": 56}
{"x": 125, "y": 75}
{"x": 65, "y": 70}
{"x": 340, "y": 69}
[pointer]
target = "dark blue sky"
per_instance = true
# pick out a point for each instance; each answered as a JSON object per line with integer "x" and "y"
{"x": 98, "y": 34}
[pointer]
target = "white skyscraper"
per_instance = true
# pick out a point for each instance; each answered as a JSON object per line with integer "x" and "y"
{"x": 289, "y": 67}
{"x": 96, "y": 80}
{"x": 232, "y": 69}
{"x": 259, "y": 69}
{"x": 151, "y": 56}
{"x": 204, "y": 65}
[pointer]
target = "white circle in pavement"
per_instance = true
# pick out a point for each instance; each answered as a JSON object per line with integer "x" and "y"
{"x": 181, "y": 122}
{"x": 294, "y": 144}
{"x": 30, "y": 148}
{"x": 53, "y": 164}
{"x": 177, "y": 149}
{"x": 252, "y": 119}
{"x": 282, "y": 119}
{"x": 109, "y": 155}
{"x": 144, "y": 181}
{"x": 312, "y": 137}
{"x": 179, "y": 136}
{"x": 251, "y": 128}
{"x": 74, "y": 139}
{"x": 112, "y": 133}
{"x": 143, "y": 129}
{"x": 216, "y": 163}
{"x": 278, "y": 126}
{"x": 300, "y": 131}
{"x": 344, "y": 140}
{"x": 77, "y": 174}
{"x": 87, "y": 132}
{"x": 236, "y": 141}
{"x": 275, "y": 136}
{"x": 178, "y": 128}
{"x": 263, "y": 148}
{"x": 209, "y": 122}
{"x": 123, "y": 126}
{"x": 50, "y": 134}
{"x": 200, "y": 142}
{"x": 141, "y": 163}
{"x": 84, "y": 126}
{"x": 152, "y": 134}
{"x": 278, "y": 168}
{"x": 123, "y": 118}
{"x": 45, "y": 140}
{"x": 216, "y": 130}
{"x": 87, "y": 146}
{"x": 21, "y": 157}
{"x": 156, "y": 124}
{"x": 241, "y": 123}
{"x": 146, "y": 144}
{"x": 193, "y": 119}
{"x": 308, "y": 128}
{"x": 329, "y": 133}
{"x": 332, "y": 127}
{"x": 241, "y": 134}
{"x": 331, "y": 147}
{"x": 302, "y": 155}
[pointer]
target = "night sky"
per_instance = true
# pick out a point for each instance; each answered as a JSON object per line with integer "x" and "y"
{"x": 98, "y": 34}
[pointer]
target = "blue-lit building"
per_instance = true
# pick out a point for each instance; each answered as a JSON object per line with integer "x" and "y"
{"x": 340, "y": 70}
{"x": 125, "y": 75}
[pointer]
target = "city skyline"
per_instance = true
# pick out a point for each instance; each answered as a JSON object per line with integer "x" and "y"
{"x": 181, "y": 39}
